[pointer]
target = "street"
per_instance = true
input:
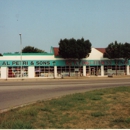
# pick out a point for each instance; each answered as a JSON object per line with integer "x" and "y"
{"x": 19, "y": 93}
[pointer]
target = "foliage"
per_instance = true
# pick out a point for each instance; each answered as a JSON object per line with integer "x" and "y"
{"x": 16, "y": 52}
{"x": 74, "y": 49}
{"x": 126, "y": 51}
{"x": 30, "y": 49}
{"x": 118, "y": 50}
{"x": 1, "y": 54}
{"x": 114, "y": 51}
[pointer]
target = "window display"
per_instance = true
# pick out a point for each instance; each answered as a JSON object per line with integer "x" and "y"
{"x": 69, "y": 70}
{"x": 16, "y": 72}
{"x": 44, "y": 71}
{"x": 119, "y": 70}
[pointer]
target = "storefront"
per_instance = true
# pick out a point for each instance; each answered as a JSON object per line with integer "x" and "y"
{"x": 49, "y": 65}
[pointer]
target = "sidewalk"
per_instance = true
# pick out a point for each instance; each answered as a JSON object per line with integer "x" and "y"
{"x": 68, "y": 78}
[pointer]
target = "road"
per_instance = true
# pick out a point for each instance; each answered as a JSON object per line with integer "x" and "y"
{"x": 19, "y": 93}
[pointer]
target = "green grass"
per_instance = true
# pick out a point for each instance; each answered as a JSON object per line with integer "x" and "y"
{"x": 105, "y": 108}
{"x": 97, "y": 114}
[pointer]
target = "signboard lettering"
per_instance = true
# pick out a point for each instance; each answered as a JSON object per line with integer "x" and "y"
{"x": 63, "y": 63}
{"x": 43, "y": 63}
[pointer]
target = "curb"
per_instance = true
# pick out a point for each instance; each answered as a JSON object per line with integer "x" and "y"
{"x": 64, "y": 78}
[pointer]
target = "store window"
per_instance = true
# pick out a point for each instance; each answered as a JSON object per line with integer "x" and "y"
{"x": 15, "y": 72}
{"x": 44, "y": 71}
{"x": 108, "y": 69}
{"x": 69, "y": 70}
{"x": 119, "y": 70}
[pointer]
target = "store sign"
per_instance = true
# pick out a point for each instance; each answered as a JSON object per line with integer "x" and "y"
{"x": 63, "y": 63}
{"x": 26, "y": 63}
{"x": 96, "y": 62}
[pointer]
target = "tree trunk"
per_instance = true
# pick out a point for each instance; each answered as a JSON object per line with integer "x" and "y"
{"x": 69, "y": 70}
{"x": 79, "y": 67}
{"x": 126, "y": 62}
{"x": 116, "y": 65}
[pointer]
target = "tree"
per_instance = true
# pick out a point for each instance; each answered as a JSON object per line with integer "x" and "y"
{"x": 30, "y": 49}
{"x": 1, "y": 54}
{"x": 74, "y": 49}
{"x": 114, "y": 51}
{"x": 126, "y": 51}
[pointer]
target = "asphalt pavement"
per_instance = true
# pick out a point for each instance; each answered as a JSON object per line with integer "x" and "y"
{"x": 17, "y": 92}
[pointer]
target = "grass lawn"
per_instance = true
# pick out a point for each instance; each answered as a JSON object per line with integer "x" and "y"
{"x": 105, "y": 108}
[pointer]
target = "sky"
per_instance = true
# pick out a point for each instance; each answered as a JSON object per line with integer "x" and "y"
{"x": 42, "y": 23}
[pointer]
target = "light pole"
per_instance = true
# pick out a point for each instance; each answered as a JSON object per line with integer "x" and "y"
{"x": 21, "y": 52}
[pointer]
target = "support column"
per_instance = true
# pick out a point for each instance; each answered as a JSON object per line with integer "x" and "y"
{"x": 55, "y": 71}
{"x": 84, "y": 70}
{"x": 4, "y": 72}
{"x": 102, "y": 70}
{"x": 127, "y": 70}
{"x": 31, "y": 72}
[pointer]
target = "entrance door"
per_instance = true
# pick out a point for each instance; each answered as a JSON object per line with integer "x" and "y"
{"x": 92, "y": 70}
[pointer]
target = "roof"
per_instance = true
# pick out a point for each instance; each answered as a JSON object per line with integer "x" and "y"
{"x": 101, "y": 49}
{"x": 27, "y": 54}
{"x": 56, "y": 51}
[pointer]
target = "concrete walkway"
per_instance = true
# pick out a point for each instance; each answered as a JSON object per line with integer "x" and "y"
{"x": 59, "y": 78}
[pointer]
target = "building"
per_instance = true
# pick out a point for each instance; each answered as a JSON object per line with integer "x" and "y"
{"x": 51, "y": 65}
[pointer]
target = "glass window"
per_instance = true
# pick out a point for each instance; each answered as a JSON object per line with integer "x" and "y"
{"x": 44, "y": 71}
{"x": 15, "y": 72}
{"x": 119, "y": 70}
{"x": 68, "y": 70}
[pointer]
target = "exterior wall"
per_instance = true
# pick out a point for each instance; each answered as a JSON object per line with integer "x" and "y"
{"x": 27, "y": 57}
{"x": 4, "y": 74}
{"x": 95, "y": 55}
{"x": 102, "y": 70}
{"x": 31, "y": 72}
{"x": 84, "y": 70}
{"x": 127, "y": 70}
{"x": 55, "y": 71}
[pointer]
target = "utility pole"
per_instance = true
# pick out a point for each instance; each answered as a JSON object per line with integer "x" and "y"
{"x": 21, "y": 52}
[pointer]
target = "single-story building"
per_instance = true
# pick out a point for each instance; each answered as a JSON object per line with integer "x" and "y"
{"x": 51, "y": 65}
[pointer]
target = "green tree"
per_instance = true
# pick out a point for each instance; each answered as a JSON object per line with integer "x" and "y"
{"x": 30, "y": 49}
{"x": 1, "y": 54}
{"x": 74, "y": 49}
{"x": 114, "y": 51}
{"x": 126, "y": 52}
